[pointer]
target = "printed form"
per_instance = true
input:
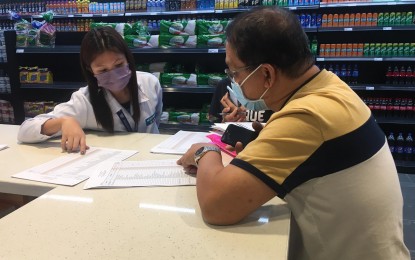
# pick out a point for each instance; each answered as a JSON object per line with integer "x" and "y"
{"x": 180, "y": 142}
{"x": 140, "y": 173}
{"x": 74, "y": 168}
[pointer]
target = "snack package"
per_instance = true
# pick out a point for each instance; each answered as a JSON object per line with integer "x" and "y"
{"x": 211, "y": 79}
{"x": 142, "y": 41}
{"x": 179, "y": 41}
{"x": 182, "y": 79}
{"x": 138, "y": 28}
{"x": 121, "y": 28}
{"x": 211, "y": 27}
{"x": 211, "y": 41}
{"x": 161, "y": 67}
{"x": 184, "y": 117}
{"x": 47, "y": 33}
{"x": 21, "y": 27}
{"x": 178, "y": 28}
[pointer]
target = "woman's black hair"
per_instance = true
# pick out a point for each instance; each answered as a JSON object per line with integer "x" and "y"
{"x": 96, "y": 42}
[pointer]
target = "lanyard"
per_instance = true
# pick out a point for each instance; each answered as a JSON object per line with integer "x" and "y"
{"x": 125, "y": 121}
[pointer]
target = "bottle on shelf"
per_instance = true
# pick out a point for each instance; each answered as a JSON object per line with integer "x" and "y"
{"x": 389, "y": 75}
{"x": 399, "y": 148}
{"x": 408, "y": 150}
{"x": 355, "y": 75}
{"x": 391, "y": 143}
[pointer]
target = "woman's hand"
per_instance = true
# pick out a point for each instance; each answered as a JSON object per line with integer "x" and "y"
{"x": 230, "y": 112}
{"x": 73, "y": 137}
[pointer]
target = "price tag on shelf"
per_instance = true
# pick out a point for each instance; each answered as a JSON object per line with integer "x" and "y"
{"x": 387, "y": 28}
{"x": 391, "y": 3}
{"x": 219, "y": 11}
{"x": 19, "y": 50}
{"x": 70, "y": 15}
{"x": 128, "y": 14}
{"x": 292, "y": 8}
{"x": 352, "y": 5}
{"x": 194, "y": 12}
{"x": 104, "y": 15}
{"x": 348, "y": 29}
{"x": 213, "y": 50}
{"x": 370, "y": 88}
{"x": 153, "y": 13}
{"x": 319, "y": 59}
{"x": 87, "y": 15}
{"x": 377, "y": 59}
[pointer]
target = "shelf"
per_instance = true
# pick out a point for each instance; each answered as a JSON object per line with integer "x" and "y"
{"x": 375, "y": 87}
{"x": 310, "y": 29}
{"x": 396, "y": 121}
{"x": 57, "y": 16}
{"x": 6, "y": 96}
{"x": 76, "y": 49}
{"x": 77, "y": 85}
{"x": 365, "y": 58}
{"x": 56, "y": 85}
{"x": 367, "y": 28}
{"x": 169, "y": 13}
{"x": 405, "y": 166}
{"x": 353, "y": 4}
{"x": 186, "y": 89}
{"x": 172, "y": 128}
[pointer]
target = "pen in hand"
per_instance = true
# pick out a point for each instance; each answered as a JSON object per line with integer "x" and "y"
{"x": 238, "y": 113}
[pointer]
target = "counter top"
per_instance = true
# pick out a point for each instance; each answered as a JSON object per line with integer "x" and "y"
{"x": 124, "y": 223}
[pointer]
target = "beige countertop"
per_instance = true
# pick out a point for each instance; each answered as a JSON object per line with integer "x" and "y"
{"x": 126, "y": 223}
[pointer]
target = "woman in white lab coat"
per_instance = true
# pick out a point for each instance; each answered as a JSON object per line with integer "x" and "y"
{"x": 117, "y": 97}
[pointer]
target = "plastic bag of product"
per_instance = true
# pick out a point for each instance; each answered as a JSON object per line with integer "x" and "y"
{"x": 121, "y": 28}
{"x": 179, "y": 41}
{"x": 47, "y": 33}
{"x": 138, "y": 28}
{"x": 184, "y": 117}
{"x": 142, "y": 41}
{"x": 211, "y": 79}
{"x": 182, "y": 79}
{"x": 21, "y": 26}
{"x": 211, "y": 41}
{"x": 161, "y": 67}
{"x": 211, "y": 27}
{"x": 178, "y": 28}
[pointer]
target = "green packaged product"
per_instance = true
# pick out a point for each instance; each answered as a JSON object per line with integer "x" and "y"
{"x": 138, "y": 28}
{"x": 142, "y": 41}
{"x": 182, "y": 79}
{"x": 211, "y": 79}
{"x": 211, "y": 27}
{"x": 121, "y": 28}
{"x": 211, "y": 41}
{"x": 178, "y": 28}
{"x": 161, "y": 67}
{"x": 178, "y": 41}
{"x": 184, "y": 117}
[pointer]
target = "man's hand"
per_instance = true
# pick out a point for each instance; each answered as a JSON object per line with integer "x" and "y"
{"x": 230, "y": 112}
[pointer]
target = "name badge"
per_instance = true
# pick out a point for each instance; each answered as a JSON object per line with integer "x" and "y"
{"x": 150, "y": 119}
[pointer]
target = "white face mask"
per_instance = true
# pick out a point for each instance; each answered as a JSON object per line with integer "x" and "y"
{"x": 258, "y": 104}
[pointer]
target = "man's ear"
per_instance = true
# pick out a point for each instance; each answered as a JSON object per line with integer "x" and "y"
{"x": 270, "y": 74}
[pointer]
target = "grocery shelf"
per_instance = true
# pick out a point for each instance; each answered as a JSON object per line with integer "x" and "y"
{"x": 373, "y": 87}
{"x": 84, "y": 15}
{"x": 157, "y": 13}
{"x": 76, "y": 49}
{"x": 365, "y": 58}
{"x": 187, "y": 89}
{"x": 359, "y": 4}
{"x": 5, "y": 95}
{"x": 56, "y": 85}
{"x": 396, "y": 121}
{"x": 405, "y": 166}
{"x": 367, "y": 28}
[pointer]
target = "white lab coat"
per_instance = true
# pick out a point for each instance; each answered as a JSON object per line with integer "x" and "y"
{"x": 79, "y": 107}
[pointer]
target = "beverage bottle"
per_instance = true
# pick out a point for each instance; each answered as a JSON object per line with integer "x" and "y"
{"x": 395, "y": 75}
{"x": 389, "y": 75}
{"x": 396, "y": 105}
{"x": 399, "y": 148}
{"x": 408, "y": 76}
{"x": 389, "y": 108}
{"x": 402, "y": 75}
{"x": 409, "y": 146}
{"x": 337, "y": 70}
{"x": 409, "y": 108}
{"x": 376, "y": 107}
{"x": 343, "y": 72}
{"x": 314, "y": 45}
{"x": 348, "y": 73}
{"x": 402, "y": 108}
{"x": 355, "y": 74}
{"x": 383, "y": 106}
{"x": 391, "y": 143}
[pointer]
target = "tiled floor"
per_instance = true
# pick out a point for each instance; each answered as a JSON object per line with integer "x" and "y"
{"x": 408, "y": 190}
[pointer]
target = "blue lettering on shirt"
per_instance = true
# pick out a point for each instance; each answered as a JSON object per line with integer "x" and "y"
{"x": 150, "y": 119}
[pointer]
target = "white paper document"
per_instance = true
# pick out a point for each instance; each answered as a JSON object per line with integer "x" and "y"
{"x": 180, "y": 142}
{"x": 3, "y": 146}
{"x": 71, "y": 169}
{"x": 222, "y": 126}
{"x": 140, "y": 173}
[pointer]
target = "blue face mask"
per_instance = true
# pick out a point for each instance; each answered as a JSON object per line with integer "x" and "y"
{"x": 256, "y": 105}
